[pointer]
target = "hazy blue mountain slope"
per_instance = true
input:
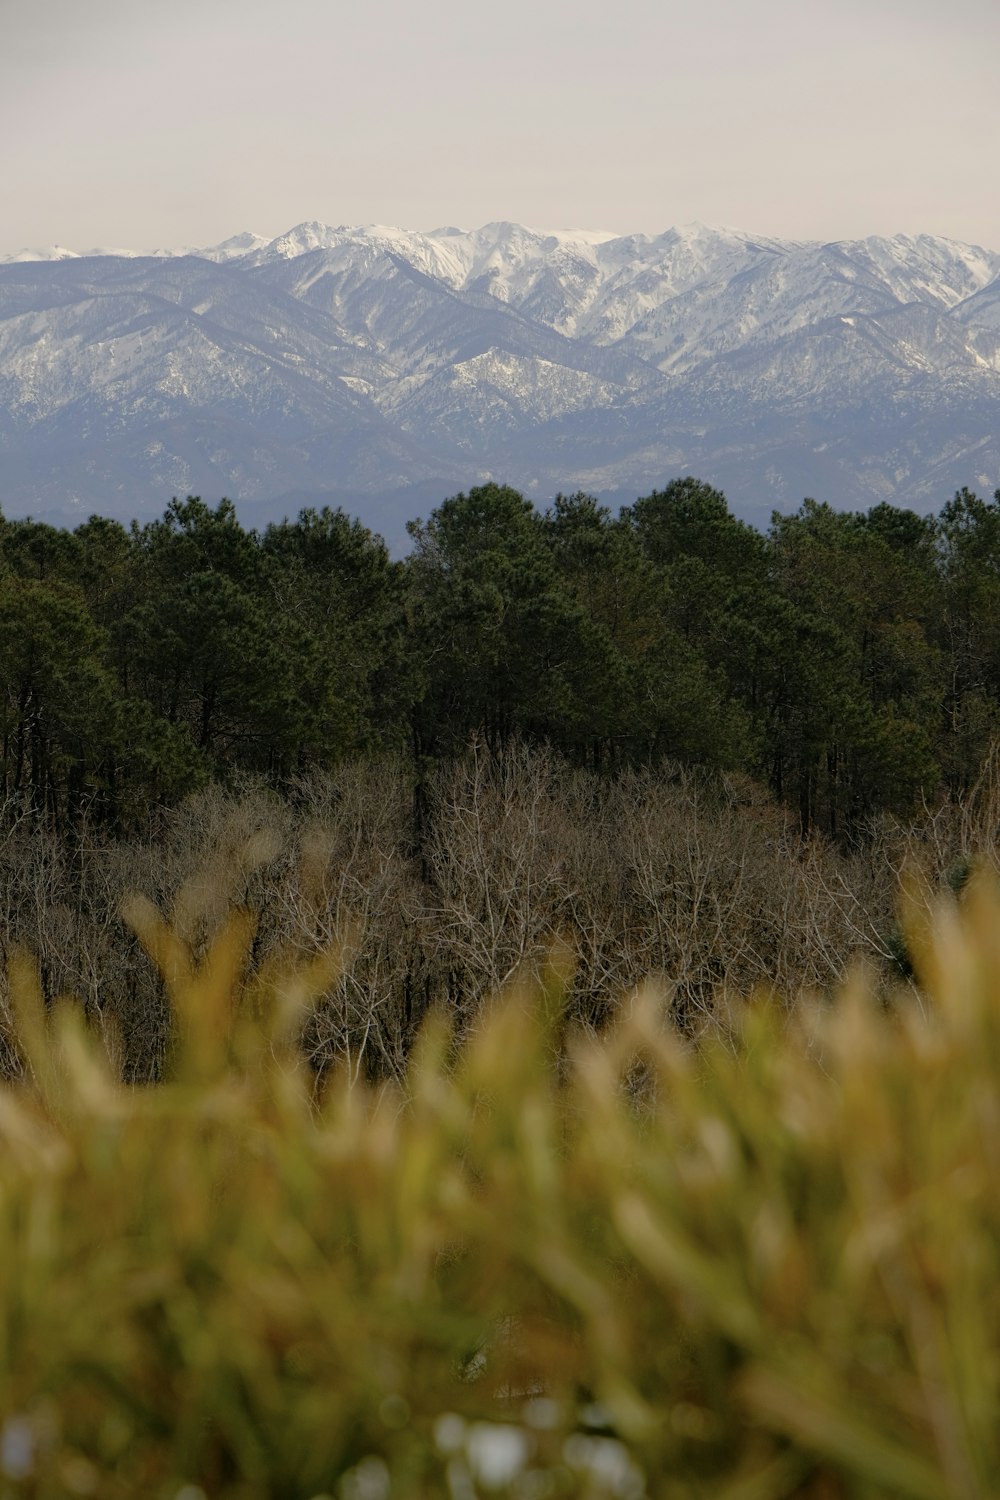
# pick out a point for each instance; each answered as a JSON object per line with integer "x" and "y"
{"x": 365, "y": 365}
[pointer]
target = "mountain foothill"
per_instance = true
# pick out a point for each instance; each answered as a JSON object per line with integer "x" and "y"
{"x": 381, "y": 369}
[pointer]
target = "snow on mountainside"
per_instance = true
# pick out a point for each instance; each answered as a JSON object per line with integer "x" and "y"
{"x": 352, "y": 364}
{"x": 52, "y": 252}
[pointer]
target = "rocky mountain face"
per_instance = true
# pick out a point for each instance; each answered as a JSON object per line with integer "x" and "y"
{"x": 383, "y": 369}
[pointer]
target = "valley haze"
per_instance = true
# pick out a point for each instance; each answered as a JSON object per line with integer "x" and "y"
{"x": 382, "y": 369}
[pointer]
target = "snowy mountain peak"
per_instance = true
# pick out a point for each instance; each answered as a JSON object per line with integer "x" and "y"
{"x": 237, "y": 245}
{"x": 51, "y": 252}
{"x": 339, "y": 361}
{"x": 300, "y": 240}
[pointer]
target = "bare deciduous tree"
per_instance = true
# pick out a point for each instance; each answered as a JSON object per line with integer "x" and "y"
{"x": 704, "y": 883}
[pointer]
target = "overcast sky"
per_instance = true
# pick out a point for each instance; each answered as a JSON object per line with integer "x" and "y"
{"x": 126, "y": 123}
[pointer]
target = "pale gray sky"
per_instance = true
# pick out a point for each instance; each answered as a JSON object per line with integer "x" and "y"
{"x": 129, "y": 123}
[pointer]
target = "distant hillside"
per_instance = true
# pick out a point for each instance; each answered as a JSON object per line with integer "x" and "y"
{"x": 382, "y": 369}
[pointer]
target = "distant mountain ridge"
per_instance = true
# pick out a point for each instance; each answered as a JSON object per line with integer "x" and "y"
{"x": 384, "y": 368}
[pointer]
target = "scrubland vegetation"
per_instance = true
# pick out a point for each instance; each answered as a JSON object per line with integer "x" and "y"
{"x": 539, "y": 1262}
{"x": 704, "y": 884}
{"x": 521, "y": 1021}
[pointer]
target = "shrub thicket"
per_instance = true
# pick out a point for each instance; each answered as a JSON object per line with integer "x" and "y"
{"x": 542, "y": 1263}
{"x": 706, "y": 883}
{"x": 702, "y": 881}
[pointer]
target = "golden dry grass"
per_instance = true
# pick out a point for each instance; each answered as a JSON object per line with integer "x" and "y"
{"x": 546, "y": 1265}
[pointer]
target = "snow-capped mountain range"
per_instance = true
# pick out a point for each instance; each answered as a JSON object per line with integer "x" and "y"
{"x": 383, "y": 369}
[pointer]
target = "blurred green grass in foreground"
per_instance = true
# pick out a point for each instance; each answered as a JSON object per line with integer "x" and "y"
{"x": 551, "y": 1265}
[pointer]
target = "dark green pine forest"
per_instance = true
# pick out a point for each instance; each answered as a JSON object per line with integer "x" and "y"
{"x": 847, "y": 662}
{"x": 674, "y": 745}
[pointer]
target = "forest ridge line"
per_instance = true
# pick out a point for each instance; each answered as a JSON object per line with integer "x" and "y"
{"x": 378, "y": 369}
{"x": 847, "y": 661}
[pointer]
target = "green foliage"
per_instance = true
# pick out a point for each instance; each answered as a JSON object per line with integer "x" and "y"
{"x": 849, "y": 661}
{"x": 136, "y": 665}
{"x": 208, "y": 660}
{"x": 335, "y": 601}
{"x": 969, "y": 549}
{"x": 862, "y": 688}
{"x": 650, "y": 683}
{"x": 492, "y": 632}
{"x": 58, "y": 701}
